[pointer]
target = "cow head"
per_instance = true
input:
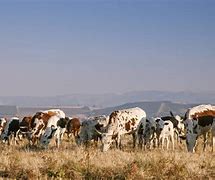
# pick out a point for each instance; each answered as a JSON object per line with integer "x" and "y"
{"x": 191, "y": 127}
{"x": 106, "y": 139}
{"x": 159, "y": 125}
{"x": 47, "y": 136}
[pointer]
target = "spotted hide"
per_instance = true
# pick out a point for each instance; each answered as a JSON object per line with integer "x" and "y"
{"x": 122, "y": 122}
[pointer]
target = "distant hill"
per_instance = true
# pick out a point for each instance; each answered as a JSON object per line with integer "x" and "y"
{"x": 153, "y": 109}
{"x": 108, "y": 100}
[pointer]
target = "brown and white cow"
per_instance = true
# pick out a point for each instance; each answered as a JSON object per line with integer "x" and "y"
{"x": 122, "y": 122}
{"x": 39, "y": 122}
{"x": 199, "y": 120}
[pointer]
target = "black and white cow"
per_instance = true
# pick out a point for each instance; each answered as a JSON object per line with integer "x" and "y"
{"x": 10, "y": 131}
{"x": 56, "y": 127}
{"x": 199, "y": 121}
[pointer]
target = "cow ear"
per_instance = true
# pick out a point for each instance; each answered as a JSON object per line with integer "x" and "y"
{"x": 53, "y": 128}
{"x": 157, "y": 120}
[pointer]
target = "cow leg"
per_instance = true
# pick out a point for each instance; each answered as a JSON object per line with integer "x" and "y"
{"x": 205, "y": 141}
{"x": 118, "y": 142}
{"x": 213, "y": 139}
{"x": 213, "y": 143}
{"x": 162, "y": 143}
{"x": 140, "y": 141}
{"x": 134, "y": 135}
{"x": 167, "y": 143}
{"x": 173, "y": 142}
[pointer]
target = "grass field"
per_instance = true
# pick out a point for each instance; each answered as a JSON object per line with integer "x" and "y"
{"x": 72, "y": 162}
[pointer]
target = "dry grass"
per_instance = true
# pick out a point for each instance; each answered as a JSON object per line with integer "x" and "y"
{"x": 72, "y": 162}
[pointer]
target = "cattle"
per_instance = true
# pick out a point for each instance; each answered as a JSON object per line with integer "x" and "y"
{"x": 89, "y": 129}
{"x": 146, "y": 133}
{"x": 126, "y": 121}
{"x": 73, "y": 126}
{"x": 177, "y": 124}
{"x": 25, "y": 126}
{"x": 55, "y": 128}
{"x": 39, "y": 122}
{"x": 11, "y": 129}
{"x": 164, "y": 131}
{"x": 199, "y": 121}
{"x": 3, "y": 122}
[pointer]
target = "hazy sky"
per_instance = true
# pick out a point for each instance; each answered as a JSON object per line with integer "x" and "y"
{"x": 63, "y": 47}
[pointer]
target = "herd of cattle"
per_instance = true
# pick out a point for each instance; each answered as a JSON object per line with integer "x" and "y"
{"x": 44, "y": 126}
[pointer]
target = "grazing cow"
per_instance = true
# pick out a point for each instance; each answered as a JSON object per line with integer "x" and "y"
{"x": 122, "y": 122}
{"x": 164, "y": 131}
{"x": 89, "y": 129}
{"x": 25, "y": 126}
{"x": 199, "y": 120}
{"x": 3, "y": 122}
{"x": 55, "y": 128}
{"x": 39, "y": 122}
{"x": 11, "y": 129}
{"x": 147, "y": 135}
{"x": 73, "y": 126}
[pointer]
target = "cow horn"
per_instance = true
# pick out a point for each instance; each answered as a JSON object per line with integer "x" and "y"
{"x": 171, "y": 114}
{"x": 98, "y": 131}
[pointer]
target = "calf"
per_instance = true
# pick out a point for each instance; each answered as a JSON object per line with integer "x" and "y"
{"x": 178, "y": 124}
{"x": 164, "y": 131}
{"x": 73, "y": 126}
{"x": 11, "y": 129}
